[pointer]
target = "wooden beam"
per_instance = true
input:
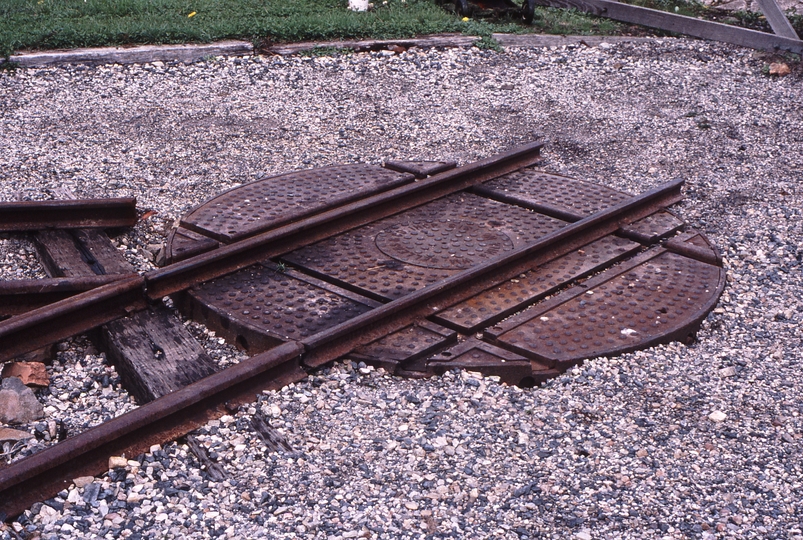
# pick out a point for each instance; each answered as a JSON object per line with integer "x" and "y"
{"x": 155, "y": 354}
{"x": 777, "y": 19}
{"x": 680, "y": 24}
{"x": 140, "y": 54}
{"x": 438, "y": 40}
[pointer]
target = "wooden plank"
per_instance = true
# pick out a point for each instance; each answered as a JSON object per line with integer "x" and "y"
{"x": 155, "y": 354}
{"x": 214, "y": 469}
{"x": 97, "y": 245}
{"x": 777, "y": 19}
{"x": 60, "y": 256}
{"x": 274, "y": 441}
{"x": 81, "y": 252}
{"x": 134, "y": 55}
{"x": 680, "y": 24}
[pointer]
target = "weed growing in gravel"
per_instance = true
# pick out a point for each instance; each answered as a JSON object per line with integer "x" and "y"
{"x": 489, "y": 43}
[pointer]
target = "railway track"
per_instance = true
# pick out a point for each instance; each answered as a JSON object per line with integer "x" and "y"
{"x": 417, "y": 267}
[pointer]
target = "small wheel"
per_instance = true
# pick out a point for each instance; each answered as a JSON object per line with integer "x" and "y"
{"x": 462, "y": 8}
{"x": 528, "y": 11}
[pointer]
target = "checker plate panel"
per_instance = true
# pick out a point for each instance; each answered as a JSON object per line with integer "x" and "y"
{"x": 395, "y": 256}
{"x": 555, "y": 194}
{"x": 645, "y": 305}
{"x": 494, "y": 304}
{"x": 275, "y": 303}
{"x": 635, "y": 301}
{"x": 271, "y": 202}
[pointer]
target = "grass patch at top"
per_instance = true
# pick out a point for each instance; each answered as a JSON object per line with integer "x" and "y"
{"x": 55, "y": 24}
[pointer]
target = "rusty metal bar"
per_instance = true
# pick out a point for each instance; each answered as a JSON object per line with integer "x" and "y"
{"x": 23, "y": 295}
{"x": 238, "y": 255}
{"x": 67, "y": 214}
{"x": 79, "y": 313}
{"x": 43, "y": 474}
{"x": 341, "y": 339}
{"x": 704, "y": 254}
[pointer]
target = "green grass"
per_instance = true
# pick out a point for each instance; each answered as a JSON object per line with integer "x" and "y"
{"x": 53, "y": 24}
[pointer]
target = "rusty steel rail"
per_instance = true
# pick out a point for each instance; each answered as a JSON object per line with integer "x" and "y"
{"x": 23, "y": 295}
{"x": 39, "y": 329}
{"x": 68, "y": 214}
{"x": 35, "y": 329}
{"x": 45, "y": 473}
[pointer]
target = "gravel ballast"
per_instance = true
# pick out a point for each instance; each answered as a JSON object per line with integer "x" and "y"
{"x": 676, "y": 441}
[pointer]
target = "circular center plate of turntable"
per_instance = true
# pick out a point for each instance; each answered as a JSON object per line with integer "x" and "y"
{"x": 444, "y": 245}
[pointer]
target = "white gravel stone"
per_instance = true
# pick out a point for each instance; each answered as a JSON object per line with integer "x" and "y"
{"x": 618, "y": 448}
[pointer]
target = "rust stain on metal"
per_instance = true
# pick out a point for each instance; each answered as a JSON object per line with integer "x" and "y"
{"x": 625, "y": 309}
{"x": 421, "y": 169}
{"x": 516, "y": 294}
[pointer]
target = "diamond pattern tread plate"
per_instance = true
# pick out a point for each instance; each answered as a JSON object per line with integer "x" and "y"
{"x": 633, "y": 299}
{"x": 494, "y": 304}
{"x": 554, "y": 195}
{"x": 406, "y": 345}
{"x": 271, "y": 202}
{"x": 183, "y": 244}
{"x": 654, "y": 298}
{"x": 652, "y": 228}
{"x": 258, "y": 307}
{"x": 395, "y": 256}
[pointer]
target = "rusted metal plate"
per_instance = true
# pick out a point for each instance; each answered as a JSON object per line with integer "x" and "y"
{"x": 183, "y": 243}
{"x": 414, "y": 249}
{"x": 259, "y": 307}
{"x": 316, "y": 227}
{"x": 653, "y": 228}
{"x": 269, "y": 203}
{"x": 476, "y": 355}
{"x": 400, "y": 349}
{"x": 554, "y": 195}
{"x": 658, "y": 297}
{"x": 421, "y": 169}
{"x": 395, "y": 256}
{"x": 514, "y": 295}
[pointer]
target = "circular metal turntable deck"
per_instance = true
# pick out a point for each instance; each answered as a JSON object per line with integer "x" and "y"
{"x": 652, "y": 281}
